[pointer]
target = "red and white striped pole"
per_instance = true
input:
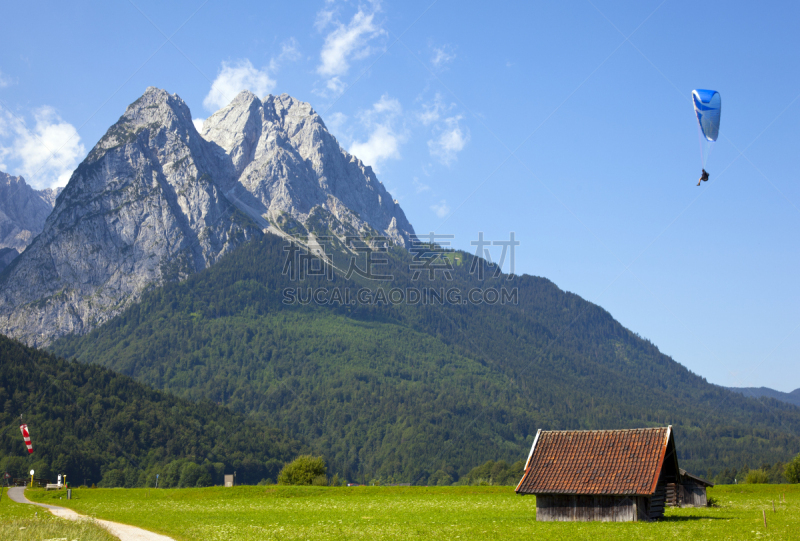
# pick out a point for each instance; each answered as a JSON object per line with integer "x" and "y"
{"x": 27, "y": 437}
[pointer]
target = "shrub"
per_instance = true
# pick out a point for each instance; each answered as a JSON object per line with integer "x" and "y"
{"x": 113, "y": 478}
{"x": 190, "y": 473}
{"x": 336, "y": 481}
{"x": 792, "y": 471}
{"x": 303, "y": 470}
{"x": 320, "y": 481}
{"x": 496, "y": 473}
{"x": 440, "y": 478}
{"x": 756, "y": 476}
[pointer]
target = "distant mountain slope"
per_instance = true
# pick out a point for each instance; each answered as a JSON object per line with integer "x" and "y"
{"x": 402, "y": 391}
{"x": 758, "y": 392}
{"x": 86, "y": 421}
{"x": 23, "y": 211}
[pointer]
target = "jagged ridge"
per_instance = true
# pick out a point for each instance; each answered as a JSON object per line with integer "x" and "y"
{"x": 23, "y": 211}
{"x": 287, "y": 161}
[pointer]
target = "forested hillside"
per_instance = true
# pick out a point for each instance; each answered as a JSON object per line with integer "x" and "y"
{"x": 99, "y": 427}
{"x": 408, "y": 391}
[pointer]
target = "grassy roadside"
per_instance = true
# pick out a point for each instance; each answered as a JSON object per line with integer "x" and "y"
{"x": 10, "y": 510}
{"x": 27, "y": 522}
{"x": 284, "y": 513}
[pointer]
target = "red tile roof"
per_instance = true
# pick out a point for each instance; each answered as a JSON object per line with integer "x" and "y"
{"x": 595, "y": 461}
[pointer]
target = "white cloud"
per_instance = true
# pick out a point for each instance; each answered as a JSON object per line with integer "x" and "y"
{"x": 442, "y": 55}
{"x": 428, "y": 116}
{"x": 45, "y": 155}
{"x": 441, "y": 209}
{"x": 290, "y": 52}
{"x": 335, "y": 85}
{"x": 450, "y": 141}
{"x": 420, "y": 187}
{"x": 384, "y": 140}
{"x": 381, "y": 145}
{"x": 324, "y": 18}
{"x": 232, "y": 79}
{"x": 4, "y": 80}
{"x": 431, "y": 112}
{"x": 336, "y": 122}
{"x": 345, "y": 43}
{"x": 387, "y": 105}
{"x": 198, "y": 123}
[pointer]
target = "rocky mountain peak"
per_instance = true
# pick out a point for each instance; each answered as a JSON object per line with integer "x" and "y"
{"x": 236, "y": 128}
{"x": 23, "y": 211}
{"x": 155, "y": 112}
{"x": 158, "y": 106}
{"x": 285, "y": 158}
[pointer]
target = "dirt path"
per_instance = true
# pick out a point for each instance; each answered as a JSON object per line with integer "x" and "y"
{"x": 123, "y": 531}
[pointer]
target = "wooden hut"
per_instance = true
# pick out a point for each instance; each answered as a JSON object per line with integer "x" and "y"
{"x": 689, "y": 491}
{"x": 606, "y": 475}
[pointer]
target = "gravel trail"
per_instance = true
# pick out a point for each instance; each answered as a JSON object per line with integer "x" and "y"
{"x": 123, "y": 531}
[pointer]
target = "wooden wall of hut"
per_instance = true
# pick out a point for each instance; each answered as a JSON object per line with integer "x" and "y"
{"x": 694, "y": 495}
{"x": 658, "y": 502}
{"x": 686, "y": 494}
{"x": 569, "y": 508}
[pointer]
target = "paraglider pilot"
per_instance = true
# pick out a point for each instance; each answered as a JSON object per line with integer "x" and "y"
{"x": 703, "y": 177}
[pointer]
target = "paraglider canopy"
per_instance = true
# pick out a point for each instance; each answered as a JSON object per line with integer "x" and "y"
{"x": 707, "y": 107}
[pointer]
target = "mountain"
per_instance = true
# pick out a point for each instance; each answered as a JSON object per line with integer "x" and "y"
{"x": 291, "y": 166}
{"x": 421, "y": 390}
{"x": 765, "y": 392}
{"x": 23, "y": 211}
{"x": 7, "y": 255}
{"x": 155, "y": 201}
{"x": 144, "y": 207}
{"x": 98, "y": 426}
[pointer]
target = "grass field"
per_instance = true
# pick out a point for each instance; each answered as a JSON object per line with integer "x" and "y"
{"x": 464, "y": 513}
{"x": 26, "y": 522}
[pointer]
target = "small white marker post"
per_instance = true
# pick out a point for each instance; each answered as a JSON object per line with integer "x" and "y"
{"x": 31, "y": 478}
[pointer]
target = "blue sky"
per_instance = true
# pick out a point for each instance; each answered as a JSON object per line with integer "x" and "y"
{"x": 569, "y": 123}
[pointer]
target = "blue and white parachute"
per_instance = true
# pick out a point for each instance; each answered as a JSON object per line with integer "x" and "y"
{"x": 707, "y": 107}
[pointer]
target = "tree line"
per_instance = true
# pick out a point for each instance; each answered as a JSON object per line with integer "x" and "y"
{"x": 102, "y": 428}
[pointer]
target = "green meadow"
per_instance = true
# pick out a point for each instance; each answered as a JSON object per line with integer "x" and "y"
{"x": 464, "y": 513}
{"x": 27, "y": 522}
